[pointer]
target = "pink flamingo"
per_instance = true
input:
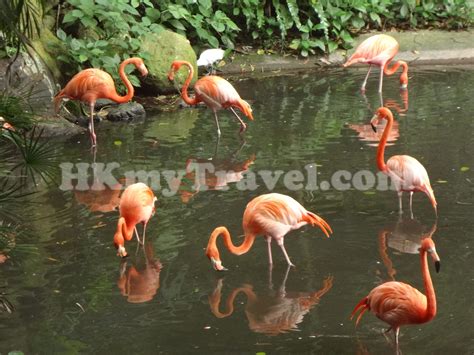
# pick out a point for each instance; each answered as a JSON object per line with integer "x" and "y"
{"x": 271, "y": 215}
{"x": 406, "y": 172}
{"x": 91, "y": 84}
{"x": 137, "y": 205}
{"x": 398, "y": 303}
{"x": 379, "y": 50}
{"x": 216, "y": 92}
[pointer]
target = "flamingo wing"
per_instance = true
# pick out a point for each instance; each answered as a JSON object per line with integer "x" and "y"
{"x": 137, "y": 203}
{"x": 397, "y": 303}
{"x": 377, "y": 50}
{"x": 409, "y": 171}
{"x": 216, "y": 92}
{"x": 88, "y": 82}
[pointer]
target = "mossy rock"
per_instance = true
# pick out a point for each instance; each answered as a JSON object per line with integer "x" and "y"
{"x": 163, "y": 48}
{"x": 49, "y": 47}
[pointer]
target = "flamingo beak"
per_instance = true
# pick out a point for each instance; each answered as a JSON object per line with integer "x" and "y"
{"x": 373, "y": 123}
{"x": 437, "y": 265}
{"x": 143, "y": 70}
{"x": 121, "y": 251}
{"x": 436, "y": 259}
{"x": 217, "y": 265}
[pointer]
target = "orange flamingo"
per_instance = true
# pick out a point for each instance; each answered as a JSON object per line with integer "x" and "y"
{"x": 216, "y": 92}
{"x": 271, "y": 215}
{"x": 273, "y": 312}
{"x": 140, "y": 284}
{"x": 398, "y": 303}
{"x": 91, "y": 84}
{"x": 4, "y": 125}
{"x": 137, "y": 205}
{"x": 379, "y": 50}
{"x": 406, "y": 172}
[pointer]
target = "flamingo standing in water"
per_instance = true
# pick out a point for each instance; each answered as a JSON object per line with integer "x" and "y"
{"x": 137, "y": 205}
{"x": 379, "y": 50}
{"x": 91, "y": 84}
{"x": 406, "y": 172}
{"x": 216, "y": 92}
{"x": 398, "y": 303}
{"x": 271, "y": 215}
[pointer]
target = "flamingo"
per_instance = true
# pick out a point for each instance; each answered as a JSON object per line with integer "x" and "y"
{"x": 4, "y": 125}
{"x": 209, "y": 57}
{"x": 379, "y": 50}
{"x": 271, "y": 215}
{"x": 406, "y": 172}
{"x": 137, "y": 205}
{"x": 91, "y": 84}
{"x": 398, "y": 303}
{"x": 216, "y": 92}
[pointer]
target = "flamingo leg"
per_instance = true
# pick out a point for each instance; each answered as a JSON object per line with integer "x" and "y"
{"x": 144, "y": 231}
{"x": 91, "y": 126}
{"x": 243, "y": 126}
{"x": 397, "y": 332}
{"x": 217, "y": 123}
{"x": 400, "y": 205}
{"x": 282, "y": 246}
{"x": 411, "y": 201}
{"x": 136, "y": 235}
{"x": 381, "y": 79}
{"x": 362, "y": 88}
{"x": 269, "y": 241}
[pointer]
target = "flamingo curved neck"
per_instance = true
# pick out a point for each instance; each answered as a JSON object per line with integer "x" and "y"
{"x": 383, "y": 142}
{"x": 130, "y": 90}
{"x": 123, "y": 231}
{"x": 184, "y": 90}
{"x": 237, "y": 250}
{"x": 394, "y": 68}
{"x": 429, "y": 289}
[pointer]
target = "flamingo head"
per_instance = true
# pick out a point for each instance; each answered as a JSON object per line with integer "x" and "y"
{"x": 428, "y": 246}
{"x": 380, "y": 114}
{"x": 174, "y": 68}
{"x": 140, "y": 65}
{"x": 217, "y": 264}
{"x": 121, "y": 251}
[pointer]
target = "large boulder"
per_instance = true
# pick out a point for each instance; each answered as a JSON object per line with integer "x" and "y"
{"x": 163, "y": 48}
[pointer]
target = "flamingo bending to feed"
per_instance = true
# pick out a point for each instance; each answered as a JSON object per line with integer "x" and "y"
{"x": 137, "y": 205}
{"x": 406, "y": 172}
{"x": 398, "y": 303}
{"x": 271, "y": 215}
{"x": 91, "y": 84}
{"x": 379, "y": 50}
{"x": 216, "y": 92}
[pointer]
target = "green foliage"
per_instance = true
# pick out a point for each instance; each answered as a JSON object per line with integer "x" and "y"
{"x": 16, "y": 111}
{"x": 19, "y": 23}
{"x": 303, "y": 26}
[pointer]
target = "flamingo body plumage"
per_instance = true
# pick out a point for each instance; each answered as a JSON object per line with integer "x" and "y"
{"x": 137, "y": 205}
{"x": 271, "y": 215}
{"x": 379, "y": 50}
{"x": 407, "y": 173}
{"x": 398, "y": 303}
{"x": 91, "y": 84}
{"x": 216, "y": 92}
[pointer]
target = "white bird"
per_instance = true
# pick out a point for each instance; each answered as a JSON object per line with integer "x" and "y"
{"x": 209, "y": 57}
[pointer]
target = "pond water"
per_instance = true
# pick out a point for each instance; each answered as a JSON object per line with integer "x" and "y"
{"x": 71, "y": 293}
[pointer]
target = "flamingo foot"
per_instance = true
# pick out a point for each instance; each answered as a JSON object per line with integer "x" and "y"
{"x": 243, "y": 128}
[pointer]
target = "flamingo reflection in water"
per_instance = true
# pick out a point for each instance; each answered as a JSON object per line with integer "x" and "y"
{"x": 104, "y": 200}
{"x": 404, "y": 236}
{"x": 140, "y": 281}
{"x": 211, "y": 174}
{"x": 273, "y": 312}
{"x": 366, "y": 133}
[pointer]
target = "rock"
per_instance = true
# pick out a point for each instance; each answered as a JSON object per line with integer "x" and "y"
{"x": 110, "y": 111}
{"x": 163, "y": 48}
{"x": 128, "y": 112}
{"x": 59, "y": 128}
